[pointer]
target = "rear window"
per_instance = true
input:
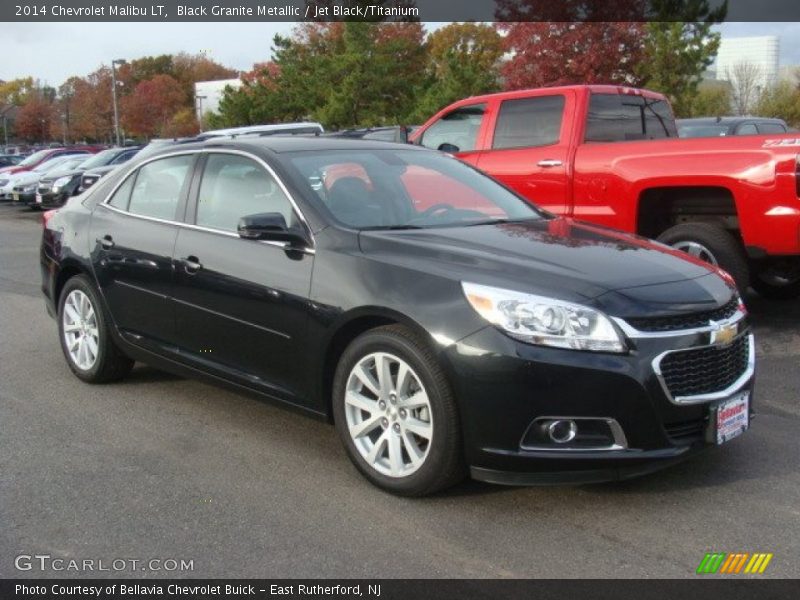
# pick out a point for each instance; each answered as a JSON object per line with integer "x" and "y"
{"x": 771, "y": 128}
{"x": 529, "y": 122}
{"x": 623, "y": 118}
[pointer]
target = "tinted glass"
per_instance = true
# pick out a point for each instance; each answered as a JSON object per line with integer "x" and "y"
{"x": 771, "y": 128}
{"x": 404, "y": 188}
{"x": 693, "y": 131}
{"x": 458, "y": 128}
{"x": 235, "y": 186}
{"x": 158, "y": 186}
{"x": 101, "y": 158}
{"x": 620, "y": 118}
{"x": 528, "y": 122}
{"x": 746, "y": 129}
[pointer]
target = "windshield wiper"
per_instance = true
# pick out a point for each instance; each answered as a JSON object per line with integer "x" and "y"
{"x": 391, "y": 227}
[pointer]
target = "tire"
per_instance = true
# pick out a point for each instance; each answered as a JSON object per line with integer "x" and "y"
{"x": 107, "y": 363}
{"x": 388, "y": 418}
{"x": 722, "y": 248}
{"x": 774, "y": 290}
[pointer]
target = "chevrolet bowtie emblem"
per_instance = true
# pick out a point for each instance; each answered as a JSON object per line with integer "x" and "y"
{"x": 722, "y": 335}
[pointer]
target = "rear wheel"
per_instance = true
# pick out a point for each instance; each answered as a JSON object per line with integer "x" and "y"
{"x": 780, "y": 281}
{"x": 712, "y": 244}
{"x": 85, "y": 335}
{"x": 396, "y": 415}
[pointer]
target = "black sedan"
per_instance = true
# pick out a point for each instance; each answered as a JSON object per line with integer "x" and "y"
{"x": 56, "y": 188}
{"x": 442, "y": 323}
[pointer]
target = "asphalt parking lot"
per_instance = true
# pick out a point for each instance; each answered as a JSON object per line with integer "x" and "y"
{"x": 162, "y": 467}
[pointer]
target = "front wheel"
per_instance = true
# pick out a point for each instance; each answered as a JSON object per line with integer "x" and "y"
{"x": 396, "y": 415}
{"x": 712, "y": 244}
{"x": 85, "y": 337}
{"x": 778, "y": 282}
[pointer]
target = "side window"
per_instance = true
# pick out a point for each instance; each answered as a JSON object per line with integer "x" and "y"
{"x": 123, "y": 194}
{"x": 771, "y": 128}
{"x": 235, "y": 186}
{"x": 622, "y": 118}
{"x": 158, "y": 186}
{"x": 457, "y": 131}
{"x": 122, "y": 157}
{"x": 529, "y": 122}
{"x": 746, "y": 129}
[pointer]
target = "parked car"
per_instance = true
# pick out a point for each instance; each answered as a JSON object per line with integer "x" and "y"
{"x": 443, "y": 323}
{"x": 397, "y": 134}
{"x": 10, "y": 160}
{"x": 723, "y": 126}
{"x": 610, "y": 155}
{"x": 271, "y": 129}
{"x": 91, "y": 176}
{"x": 23, "y": 188}
{"x": 31, "y": 177}
{"x": 37, "y": 158}
{"x": 56, "y": 187}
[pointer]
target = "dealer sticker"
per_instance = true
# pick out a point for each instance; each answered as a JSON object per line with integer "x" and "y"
{"x": 733, "y": 417}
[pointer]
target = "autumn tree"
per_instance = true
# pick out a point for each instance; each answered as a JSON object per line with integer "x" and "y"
{"x": 16, "y": 91}
{"x": 463, "y": 60}
{"x": 148, "y": 111}
{"x": 710, "y": 101}
{"x": 560, "y": 53}
{"x": 781, "y": 101}
{"x": 37, "y": 119}
{"x": 92, "y": 111}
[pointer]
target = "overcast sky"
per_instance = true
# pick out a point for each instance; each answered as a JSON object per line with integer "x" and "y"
{"x": 54, "y": 51}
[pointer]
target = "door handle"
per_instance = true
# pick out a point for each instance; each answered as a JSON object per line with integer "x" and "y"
{"x": 550, "y": 162}
{"x": 191, "y": 264}
{"x": 107, "y": 242}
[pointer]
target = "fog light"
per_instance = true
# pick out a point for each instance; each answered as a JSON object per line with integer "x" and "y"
{"x": 562, "y": 431}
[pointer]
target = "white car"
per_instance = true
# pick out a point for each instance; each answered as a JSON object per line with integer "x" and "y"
{"x": 30, "y": 179}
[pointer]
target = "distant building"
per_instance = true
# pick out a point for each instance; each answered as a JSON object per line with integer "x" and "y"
{"x": 207, "y": 95}
{"x": 760, "y": 52}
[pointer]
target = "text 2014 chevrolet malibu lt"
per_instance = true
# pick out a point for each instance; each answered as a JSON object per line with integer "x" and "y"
{"x": 445, "y": 325}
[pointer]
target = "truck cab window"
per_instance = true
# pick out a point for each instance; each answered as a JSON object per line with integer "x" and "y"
{"x": 529, "y": 122}
{"x": 623, "y": 118}
{"x": 457, "y": 131}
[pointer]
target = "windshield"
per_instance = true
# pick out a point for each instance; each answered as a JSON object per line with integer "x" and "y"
{"x": 34, "y": 158}
{"x": 399, "y": 189}
{"x": 65, "y": 165}
{"x": 101, "y": 158}
{"x": 693, "y": 131}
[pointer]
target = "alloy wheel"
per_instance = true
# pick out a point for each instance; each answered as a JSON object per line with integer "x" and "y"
{"x": 388, "y": 414}
{"x": 697, "y": 250}
{"x": 81, "y": 335}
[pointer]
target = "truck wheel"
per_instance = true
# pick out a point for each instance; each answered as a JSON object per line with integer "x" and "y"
{"x": 776, "y": 285}
{"x": 712, "y": 244}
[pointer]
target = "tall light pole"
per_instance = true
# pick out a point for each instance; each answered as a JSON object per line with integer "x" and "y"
{"x": 114, "y": 63}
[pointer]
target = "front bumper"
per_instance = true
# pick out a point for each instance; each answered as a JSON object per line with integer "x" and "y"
{"x": 49, "y": 199}
{"x": 504, "y": 385}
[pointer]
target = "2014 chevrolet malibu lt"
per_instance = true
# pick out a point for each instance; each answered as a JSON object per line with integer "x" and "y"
{"x": 443, "y": 324}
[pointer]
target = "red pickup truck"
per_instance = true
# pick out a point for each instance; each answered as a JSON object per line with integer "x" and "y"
{"x": 611, "y": 155}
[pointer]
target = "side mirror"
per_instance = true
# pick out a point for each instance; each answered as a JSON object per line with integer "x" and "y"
{"x": 449, "y": 148}
{"x": 270, "y": 227}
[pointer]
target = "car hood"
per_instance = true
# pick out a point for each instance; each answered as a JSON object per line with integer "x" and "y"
{"x": 101, "y": 170}
{"x": 58, "y": 174}
{"x": 561, "y": 258}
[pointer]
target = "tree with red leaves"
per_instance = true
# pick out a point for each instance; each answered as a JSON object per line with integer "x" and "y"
{"x": 37, "y": 119}
{"x": 561, "y": 53}
{"x": 149, "y": 110}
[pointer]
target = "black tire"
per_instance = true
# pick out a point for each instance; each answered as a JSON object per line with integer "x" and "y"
{"x": 722, "y": 245}
{"x": 110, "y": 363}
{"x": 776, "y": 291}
{"x": 444, "y": 463}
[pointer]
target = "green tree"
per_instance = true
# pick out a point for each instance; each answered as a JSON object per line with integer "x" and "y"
{"x": 710, "y": 101}
{"x": 781, "y": 101}
{"x": 463, "y": 60}
{"x": 676, "y": 55}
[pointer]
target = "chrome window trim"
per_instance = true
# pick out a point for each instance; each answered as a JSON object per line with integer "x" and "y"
{"x": 737, "y": 385}
{"x": 269, "y": 169}
{"x": 620, "y": 441}
{"x": 631, "y": 332}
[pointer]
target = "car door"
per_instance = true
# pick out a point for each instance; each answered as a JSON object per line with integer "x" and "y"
{"x": 457, "y": 132}
{"x": 241, "y": 305}
{"x": 133, "y": 235}
{"x": 528, "y": 148}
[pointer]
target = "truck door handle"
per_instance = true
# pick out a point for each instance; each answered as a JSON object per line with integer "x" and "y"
{"x": 191, "y": 264}
{"x": 107, "y": 242}
{"x": 550, "y": 162}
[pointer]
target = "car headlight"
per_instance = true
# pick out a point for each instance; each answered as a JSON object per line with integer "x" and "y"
{"x": 3, "y": 182}
{"x": 544, "y": 321}
{"x": 61, "y": 182}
